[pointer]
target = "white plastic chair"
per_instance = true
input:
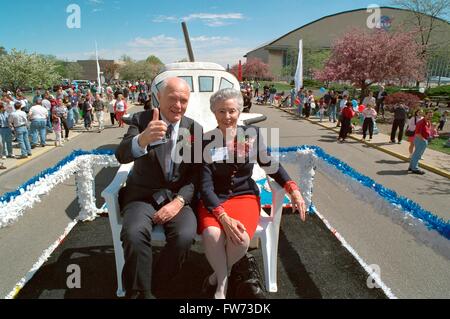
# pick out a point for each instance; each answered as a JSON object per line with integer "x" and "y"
{"x": 267, "y": 230}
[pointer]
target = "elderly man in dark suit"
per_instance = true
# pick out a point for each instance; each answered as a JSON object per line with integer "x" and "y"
{"x": 160, "y": 190}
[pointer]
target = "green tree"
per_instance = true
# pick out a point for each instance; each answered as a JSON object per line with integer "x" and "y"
{"x": 125, "y": 58}
{"x": 313, "y": 59}
{"x": 73, "y": 71}
{"x": 154, "y": 60}
{"x": 3, "y": 51}
{"x": 140, "y": 70}
{"x": 19, "y": 69}
{"x": 426, "y": 14}
{"x": 109, "y": 70}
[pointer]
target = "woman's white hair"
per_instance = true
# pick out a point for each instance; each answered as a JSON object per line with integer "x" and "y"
{"x": 227, "y": 94}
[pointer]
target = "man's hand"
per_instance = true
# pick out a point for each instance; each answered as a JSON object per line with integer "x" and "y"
{"x": 167, "y": 212}
{"x": 298, "y": 204}
{"x": 155, "y": 131}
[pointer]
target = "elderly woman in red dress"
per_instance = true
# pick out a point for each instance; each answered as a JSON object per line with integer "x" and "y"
{"x": 230, "y": 207}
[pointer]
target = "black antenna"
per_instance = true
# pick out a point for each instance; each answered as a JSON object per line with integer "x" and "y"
{"x": 188, "y": 42}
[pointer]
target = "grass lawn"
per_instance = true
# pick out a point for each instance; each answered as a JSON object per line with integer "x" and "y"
{"x": 280, "y": 86}
{"x": 438, "y": 144}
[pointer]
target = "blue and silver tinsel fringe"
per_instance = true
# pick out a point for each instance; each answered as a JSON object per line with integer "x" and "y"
{"x": 408, "y": 206}
{"x": 7, "y": 197}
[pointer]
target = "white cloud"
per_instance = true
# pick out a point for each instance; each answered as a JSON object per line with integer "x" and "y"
{"x": 95, "y": 2}
{"x": 221, "y": 50}
{"x": 211, "y": 40}
{"x": 162, "y": 18}
{"x": 212, "y": 16}
{"x": 209, "y": 19}
{"x": 157, "y": 41}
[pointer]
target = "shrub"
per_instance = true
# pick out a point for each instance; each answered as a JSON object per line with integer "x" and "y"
{"x": 313, "y": 83}
{"x": 439, "y": 91}
{"x": 408, "y": 99}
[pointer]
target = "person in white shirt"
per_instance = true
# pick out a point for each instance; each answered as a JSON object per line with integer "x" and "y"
{"x": 370, "y": 116}
{"x": 38, "y": 115}
{"x": 369, "y": 100}
{"x": 19, "y": 121}
{"x": 99, "y": 107}
{"x": 48, "y": 105}
{"x": 120, "y": 109}
{"x": 111, "y": 102}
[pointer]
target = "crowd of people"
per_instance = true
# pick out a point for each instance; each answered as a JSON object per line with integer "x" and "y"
{"x": 346, "y": 111}
{"x": 30, "y": 121}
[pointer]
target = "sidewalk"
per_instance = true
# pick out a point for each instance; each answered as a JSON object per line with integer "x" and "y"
{"x": 434, "y": 161}
{"x": 12, "y": 163}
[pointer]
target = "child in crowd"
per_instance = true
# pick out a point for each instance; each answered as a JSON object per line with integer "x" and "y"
{"x": 433, "y": 131}
{"x": 370, "y": 116}
{"x": 442, "y": 121}
{"x": 321, "y": 109}
{"x": 346, "y": 122}
{"x": 56, "y": 125}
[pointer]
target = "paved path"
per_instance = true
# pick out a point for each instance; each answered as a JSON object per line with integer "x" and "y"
{"x": 312, "y": 263}
{"x": 434, "y": 161}
{"x": 410, "y": 266}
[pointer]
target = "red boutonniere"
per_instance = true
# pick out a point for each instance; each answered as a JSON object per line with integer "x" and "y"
{"x": 186, "y": 140}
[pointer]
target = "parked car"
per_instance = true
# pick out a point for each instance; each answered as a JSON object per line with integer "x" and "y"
{"x": 81, "y": 82}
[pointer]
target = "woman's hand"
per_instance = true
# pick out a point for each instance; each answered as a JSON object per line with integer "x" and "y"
{"x": 298, "y": 204}
{"x": 234, "y": 229}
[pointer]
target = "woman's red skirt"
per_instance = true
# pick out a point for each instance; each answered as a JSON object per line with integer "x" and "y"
{"x": 244, "y": 208}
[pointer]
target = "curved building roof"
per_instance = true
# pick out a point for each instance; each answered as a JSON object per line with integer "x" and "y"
{"x": 321, "y": 32}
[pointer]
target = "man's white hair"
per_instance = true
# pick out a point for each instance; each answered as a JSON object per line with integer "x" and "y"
{"x": 227, "y": 94}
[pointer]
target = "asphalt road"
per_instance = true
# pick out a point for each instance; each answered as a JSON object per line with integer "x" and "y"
{"x": 312, "y": 262}
{"x": 411, "y": 267}
{"x": 22, "y": 243}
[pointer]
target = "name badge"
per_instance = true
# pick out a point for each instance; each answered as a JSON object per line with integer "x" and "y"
{"x": 219, "y": 154}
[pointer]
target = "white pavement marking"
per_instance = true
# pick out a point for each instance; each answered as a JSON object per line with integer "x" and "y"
{"x": 352, "y": 251}
{"x": 42, "y": 259}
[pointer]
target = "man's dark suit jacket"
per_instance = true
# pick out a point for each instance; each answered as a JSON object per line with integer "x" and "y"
{"x": 148, "y": 176}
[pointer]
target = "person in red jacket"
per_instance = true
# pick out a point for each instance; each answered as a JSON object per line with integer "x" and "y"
{"x": 347, "y": 115}
{"x": 423, "y": 134}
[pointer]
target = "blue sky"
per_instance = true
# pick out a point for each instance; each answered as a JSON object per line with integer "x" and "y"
{"x": 222, "y": 31}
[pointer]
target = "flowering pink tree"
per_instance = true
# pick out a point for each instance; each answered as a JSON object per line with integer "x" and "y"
{"x": 253, "y": 69}
{"x": 368, "y": 57}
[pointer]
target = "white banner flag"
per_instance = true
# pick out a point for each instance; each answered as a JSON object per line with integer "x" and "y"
{"x": 299, "y": 73}
{"x": 99, "y": 80}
